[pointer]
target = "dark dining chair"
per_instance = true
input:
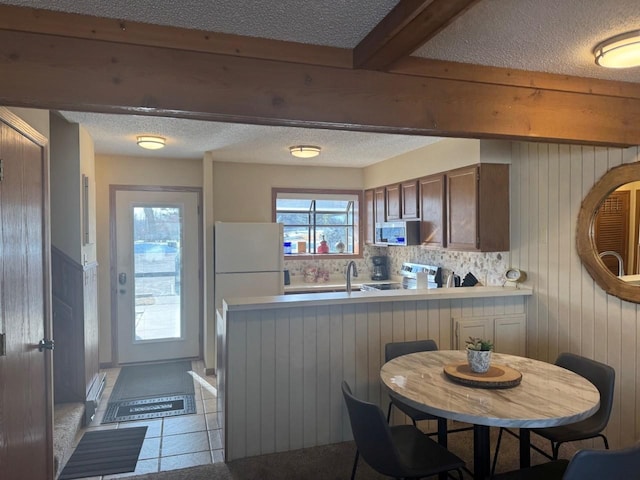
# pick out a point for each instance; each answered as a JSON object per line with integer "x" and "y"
{"x": 397, "y": 349}
{"x": 586, "y": 464}
{"x": 603, "y": 377}
{"x": 401, "y": 451}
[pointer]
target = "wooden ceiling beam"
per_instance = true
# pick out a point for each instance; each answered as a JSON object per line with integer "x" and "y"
{"x": 54, "y": 72}
{"x": 408, "y": 26}
{"x": 424, "y": 67}
{"x": 21, "y": 19}
{"x": 29, "y": 20}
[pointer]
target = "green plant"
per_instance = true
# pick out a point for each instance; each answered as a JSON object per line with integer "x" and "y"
{"x": 477, "y": 343}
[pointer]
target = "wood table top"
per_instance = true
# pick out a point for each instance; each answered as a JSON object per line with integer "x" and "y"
{"x": 547, "y": 395}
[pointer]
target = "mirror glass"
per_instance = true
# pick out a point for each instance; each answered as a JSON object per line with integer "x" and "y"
{"x": 608, "y": 232}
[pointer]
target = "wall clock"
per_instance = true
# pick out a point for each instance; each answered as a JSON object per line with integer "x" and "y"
{"x": 514, "y": 275}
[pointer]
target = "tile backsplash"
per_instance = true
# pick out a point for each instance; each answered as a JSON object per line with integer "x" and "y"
{"x": 487, "y": 267}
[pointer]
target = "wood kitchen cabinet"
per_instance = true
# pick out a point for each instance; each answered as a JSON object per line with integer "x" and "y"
{"x": 409, "y": 200}
{"x": 380, "y": 204}
{"x": 432, "y": 218}
{"x": 508, "y": 332}
{"x": 369, "y": 217}
{"x": 394, "y": 200}
{"x": 477, "y": 206}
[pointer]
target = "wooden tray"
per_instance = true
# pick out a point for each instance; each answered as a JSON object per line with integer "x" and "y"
{"x": 498, "y": 376}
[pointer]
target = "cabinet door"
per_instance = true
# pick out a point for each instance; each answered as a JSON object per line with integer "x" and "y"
{"x": 462, "y": 209}
{"x": 510, "y": 335}
{"x": 432, "y": 210}
{"x": 380, "y": 204}
{"x": 481, "y": 327}
{"x": 369, "y": 217}
{"x": 409, "y": 198}
{"x": 394, "y": 200}
{"x": 507, "y": 332}
{"x": 493, "y": 207}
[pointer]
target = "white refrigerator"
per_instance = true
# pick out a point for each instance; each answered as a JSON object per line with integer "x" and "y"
{"x": 249, "y": 260}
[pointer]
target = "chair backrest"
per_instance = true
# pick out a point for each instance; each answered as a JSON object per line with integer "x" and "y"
{"x": 601, "y": 375}
{"x": 599, "y": 464}
{"x": 372, "y": 435}
{"x": 397, "y": 349}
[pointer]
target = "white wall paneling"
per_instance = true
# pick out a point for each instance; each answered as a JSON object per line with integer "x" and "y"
{"x": 567, "y": 311}
{"x": 285, "y": 365}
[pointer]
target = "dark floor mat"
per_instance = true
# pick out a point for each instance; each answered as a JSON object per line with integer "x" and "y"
{"x": 105, "y": 452}
{"x": 151, "y": 391}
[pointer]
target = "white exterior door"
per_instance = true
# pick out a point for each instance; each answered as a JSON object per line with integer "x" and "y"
{"x": 157, "y": 275}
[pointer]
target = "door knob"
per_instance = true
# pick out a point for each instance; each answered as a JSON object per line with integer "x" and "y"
{"x": 122, "y": 278}
{"x": 45, "y": 345}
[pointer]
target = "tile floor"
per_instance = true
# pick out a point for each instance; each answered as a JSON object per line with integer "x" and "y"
{"x": 171, "y": 442}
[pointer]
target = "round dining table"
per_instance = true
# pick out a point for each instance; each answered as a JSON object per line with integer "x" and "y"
{"x": 546, "y": 396}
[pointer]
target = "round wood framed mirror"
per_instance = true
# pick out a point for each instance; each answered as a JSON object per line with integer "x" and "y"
{"x": 623, "y": 286}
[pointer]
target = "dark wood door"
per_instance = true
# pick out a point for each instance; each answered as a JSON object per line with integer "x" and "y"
{"x": 393, "y": 193}
{"x": 409, "y": 197}
{"x": 611, "y": 229}
{"x": 432, "y": 210}
{"x": 25, "y": 373}
{"x": 380, "y": 204}
{"x": 462, "y": 209}
{"x": 369, "y": 217}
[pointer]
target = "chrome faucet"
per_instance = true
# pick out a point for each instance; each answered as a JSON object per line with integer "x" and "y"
{"x": 620, "y": 261}
{"x": 351, "y": 266}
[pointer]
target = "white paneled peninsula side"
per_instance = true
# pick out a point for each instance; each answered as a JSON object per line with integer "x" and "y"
{"x": 281, "y": 359}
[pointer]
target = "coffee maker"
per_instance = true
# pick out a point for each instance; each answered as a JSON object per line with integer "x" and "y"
{"x": 379, "y": 270}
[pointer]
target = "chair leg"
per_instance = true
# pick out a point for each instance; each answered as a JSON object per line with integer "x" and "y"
{"x": 355, "y": 465}
{"x": 389, "y": 411}
{"x": 495, "y": 455}
{"x": 604, "y": 439}
{"x": 555, "y": 449}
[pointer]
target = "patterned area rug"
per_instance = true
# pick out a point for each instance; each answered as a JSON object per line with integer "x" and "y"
{"x": 151, "y": 391}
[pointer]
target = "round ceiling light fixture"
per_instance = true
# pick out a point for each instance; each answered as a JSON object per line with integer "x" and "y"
{"x": 150, "y": 142}
{"x": 304, "y": 151}
{"x": 621, "y": 51}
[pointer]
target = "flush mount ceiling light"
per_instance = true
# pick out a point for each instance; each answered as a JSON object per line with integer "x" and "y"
{"x": 621, "y": 51}
{"x": 304, "y": 151}
{"x": 150, "y": 142}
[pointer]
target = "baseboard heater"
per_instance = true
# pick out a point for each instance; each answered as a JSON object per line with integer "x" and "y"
{"x": 93, "y": 398}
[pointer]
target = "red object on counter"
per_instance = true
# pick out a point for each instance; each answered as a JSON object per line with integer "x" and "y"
{"x": 323, "y": 247}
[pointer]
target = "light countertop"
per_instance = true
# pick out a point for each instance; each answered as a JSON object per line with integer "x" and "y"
{"x": 298, "y": 286}
{"x": 355, "y": 297}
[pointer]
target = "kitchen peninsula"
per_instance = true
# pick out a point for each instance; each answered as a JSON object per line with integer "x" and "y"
{"x": 281, "y": 359}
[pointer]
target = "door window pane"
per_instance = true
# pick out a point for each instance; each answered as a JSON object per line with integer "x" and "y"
{"x": 157, "y": 234}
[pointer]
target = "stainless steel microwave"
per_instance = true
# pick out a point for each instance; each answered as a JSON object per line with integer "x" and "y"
{"x": 401, "y": 232}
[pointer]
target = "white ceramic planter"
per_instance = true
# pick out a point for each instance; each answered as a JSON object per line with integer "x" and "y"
{"x": 479, "y": 360}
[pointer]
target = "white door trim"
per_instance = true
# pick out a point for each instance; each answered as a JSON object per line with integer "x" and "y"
{"x": 113, "y": 189}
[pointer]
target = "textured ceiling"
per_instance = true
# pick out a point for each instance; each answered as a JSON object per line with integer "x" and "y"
{"x": 116, "y": 135}
{"x": 554, "y": 36}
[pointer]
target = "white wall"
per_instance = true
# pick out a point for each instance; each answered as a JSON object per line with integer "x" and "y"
{"x": 568, "y": 311}
{"x": 438, "y": 157}
{"x": 66, "y": 233}
{"x": 242, "y": 191}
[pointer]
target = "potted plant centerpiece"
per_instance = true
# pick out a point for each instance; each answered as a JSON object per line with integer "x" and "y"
{"x": 479, "y": 354}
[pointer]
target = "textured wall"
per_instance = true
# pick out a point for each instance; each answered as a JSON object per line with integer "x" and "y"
{"x": 568, "y": 311}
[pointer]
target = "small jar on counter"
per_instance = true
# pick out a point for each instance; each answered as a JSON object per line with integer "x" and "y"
{"x": 287, "y": 248}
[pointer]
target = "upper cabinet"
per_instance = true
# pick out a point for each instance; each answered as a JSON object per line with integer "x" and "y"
{"x": 369, "y": 217}
{"x": 379, "y": 204}
{"x": 393, "y": 197}
{"x": 409, "y": 200}
{"x": 432, "y": 210}
{"x": 477, "y": 199}
{"x": 462, "y": 209}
